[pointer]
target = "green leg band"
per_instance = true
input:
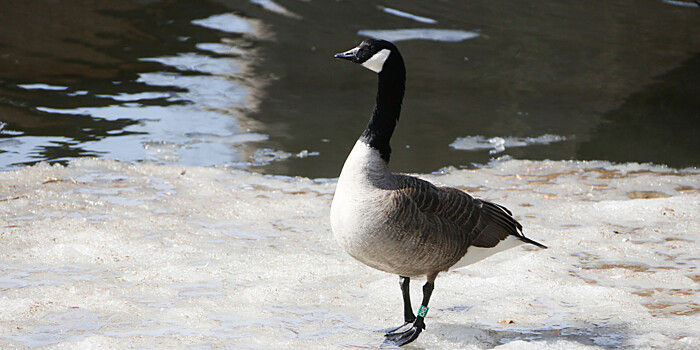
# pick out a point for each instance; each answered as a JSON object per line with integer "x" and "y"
{"x": 422, "y": 311}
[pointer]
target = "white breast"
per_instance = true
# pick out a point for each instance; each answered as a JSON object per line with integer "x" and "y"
{"x": 357, "y": 200}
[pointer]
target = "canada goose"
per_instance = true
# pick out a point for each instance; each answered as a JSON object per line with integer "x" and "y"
{"x": 401, "y": 224}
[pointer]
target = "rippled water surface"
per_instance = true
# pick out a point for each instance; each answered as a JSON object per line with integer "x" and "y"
{"x": 252, "y": 84}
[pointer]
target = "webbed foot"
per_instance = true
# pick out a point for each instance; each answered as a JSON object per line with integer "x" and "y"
{"x": 398, "y": 338}
{"x": 398, "y": 329}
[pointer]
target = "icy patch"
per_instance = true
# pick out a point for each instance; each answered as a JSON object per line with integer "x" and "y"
{"x": 230, "y": 229}
{"x": 68, "y": 326}
{"x": 499, "y": 144}
{"x": 407, "y": 15}
{"x": 227, "y": 22}
{"x": 42, "y": 87}
{"x": 265, "y": 156}
{"x": 230, "y": 139}
{"x": 20, "y": 277}
{"x": 162, "y": 150}
{"x": 216, "y": 257}
{"x": 195, "y": 290}
{"x": 448, "y": 35}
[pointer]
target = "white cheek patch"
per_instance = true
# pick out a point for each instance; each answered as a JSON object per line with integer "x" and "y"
{"x": 376, "y": 62}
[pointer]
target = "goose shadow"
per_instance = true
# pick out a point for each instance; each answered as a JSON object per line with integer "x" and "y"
{"x": 486, "y": 337}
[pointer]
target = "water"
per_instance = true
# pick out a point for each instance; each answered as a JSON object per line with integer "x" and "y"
{"x": 253, "y": 85}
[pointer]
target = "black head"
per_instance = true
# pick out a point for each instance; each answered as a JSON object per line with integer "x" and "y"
{"x": 371, "y": 54}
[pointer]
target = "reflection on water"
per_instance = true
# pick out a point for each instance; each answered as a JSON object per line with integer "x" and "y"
{"x": 184, "y": 104}
{"x": 253, "y": 83}
{"x": 448, "y": 35}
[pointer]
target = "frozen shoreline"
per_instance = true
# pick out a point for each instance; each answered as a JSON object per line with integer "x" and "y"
{"x": 104, "y": 254}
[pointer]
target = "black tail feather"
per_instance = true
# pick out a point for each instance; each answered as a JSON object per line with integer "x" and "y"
{"x": 527, "y": 240}
{"x": 497, "y": 212}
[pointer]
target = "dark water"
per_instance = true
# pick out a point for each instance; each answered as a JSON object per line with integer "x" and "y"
{"x": 252, "y": 84}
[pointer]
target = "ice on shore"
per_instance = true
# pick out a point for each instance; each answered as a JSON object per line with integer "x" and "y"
{"x": 499, "y": 144}
{"x": 104, "y": 254}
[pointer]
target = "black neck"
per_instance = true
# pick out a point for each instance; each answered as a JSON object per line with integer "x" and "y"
{"x": 392, "y": 83}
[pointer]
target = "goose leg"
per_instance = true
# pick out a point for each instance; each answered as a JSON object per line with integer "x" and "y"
{"x": 408, "y": 315}
{"x": 403, "y": 338}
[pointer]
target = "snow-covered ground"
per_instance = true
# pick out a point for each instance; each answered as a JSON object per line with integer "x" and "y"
{"x": 103, "y": 254}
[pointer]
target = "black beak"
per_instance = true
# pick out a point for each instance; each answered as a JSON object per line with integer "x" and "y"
{"x": 349, "y": 55}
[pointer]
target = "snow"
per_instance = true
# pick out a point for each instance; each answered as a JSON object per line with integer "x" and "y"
{"x": 106, "y": 254}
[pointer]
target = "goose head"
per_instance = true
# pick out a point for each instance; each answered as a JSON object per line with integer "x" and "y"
{"x": 383, "y": 58}
{"x": 371, "y": 54}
